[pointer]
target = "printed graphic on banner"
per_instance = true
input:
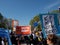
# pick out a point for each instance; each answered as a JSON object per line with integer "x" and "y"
{"x": 48, "y": 22}
{"x": 24, "y": 30}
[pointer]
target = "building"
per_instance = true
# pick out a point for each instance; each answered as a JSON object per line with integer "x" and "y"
{"x": 14, "y": 24}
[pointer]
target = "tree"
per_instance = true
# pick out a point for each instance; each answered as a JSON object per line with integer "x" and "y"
{"x": 1, "y": 21}
{"x": 35, "y": 19}
{"x": 1, "y": 17}
{"x": 39, "y": 27}
{"x": 55, "y": 11}
{"x": 7, "y": 23}
{"x": 4, "y": 22}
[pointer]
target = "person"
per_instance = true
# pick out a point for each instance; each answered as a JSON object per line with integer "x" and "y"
{"x": 31, "y": 39}
{"x": 52, "y": 39}
{"x": 13, "y": 39}
{"x": 0, "y": 41}
{"x": 5, "y": 41}
{"x": 22, "y": 39}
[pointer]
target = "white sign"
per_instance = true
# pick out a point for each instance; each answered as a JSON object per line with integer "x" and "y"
{"x": 48, "y": 23}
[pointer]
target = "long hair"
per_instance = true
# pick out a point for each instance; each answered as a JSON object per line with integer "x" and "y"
{"x": 53, "y": 38}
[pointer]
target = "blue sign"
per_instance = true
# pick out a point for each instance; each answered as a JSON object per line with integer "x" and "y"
{"x": 5, "y": 34}
{"x": 35, "y": 24}
{"x": 50, "y": 24}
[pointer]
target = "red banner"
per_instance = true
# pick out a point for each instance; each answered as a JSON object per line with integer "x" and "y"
{"x": 24, "y": 30}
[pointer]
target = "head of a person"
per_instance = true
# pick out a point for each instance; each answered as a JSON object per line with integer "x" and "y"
{"x": 51, "y": 39}
{"x": 0, "y": 38}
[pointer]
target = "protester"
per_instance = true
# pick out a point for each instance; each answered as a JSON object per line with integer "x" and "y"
{"x": 22, "y": 39}
{"x": 0, "y": 41}
{"x": 13, "y": 39}
{"x": 52, "y": 39}
{"x": 31, "y": 39}
{"x": 5, "y": 41}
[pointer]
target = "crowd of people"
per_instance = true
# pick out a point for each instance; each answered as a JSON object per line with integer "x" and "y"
{"x": 28, "y": 39}
{"x": 3, "y": 41}
{"x": 34, "y": 39}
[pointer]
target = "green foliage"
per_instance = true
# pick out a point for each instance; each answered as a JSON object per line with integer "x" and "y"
{"x": 39, "y": 27}
{"x": 31, "y": 22}
{"x": 3, "y": 25}
{"x": 1, "y": 17}
{"x": 4, "y": 22}
{"x": 54, "y": 11}
{"x": 35, "y": 19}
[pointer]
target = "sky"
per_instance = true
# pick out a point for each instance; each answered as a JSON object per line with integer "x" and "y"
{"x": 25, "y": 10}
